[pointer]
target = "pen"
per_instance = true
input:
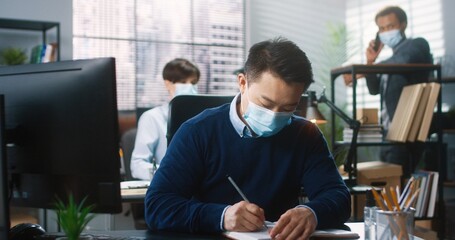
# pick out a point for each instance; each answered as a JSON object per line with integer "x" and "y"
{"x": 240, "y": 192}
{"x": 237, "y": 188}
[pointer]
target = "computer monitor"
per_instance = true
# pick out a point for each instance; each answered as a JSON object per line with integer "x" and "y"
{"x": 4, "y": 208}
{"x": 62, "y": 133}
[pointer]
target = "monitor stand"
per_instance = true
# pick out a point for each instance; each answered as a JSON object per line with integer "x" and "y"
{"x": 4, "y": 206}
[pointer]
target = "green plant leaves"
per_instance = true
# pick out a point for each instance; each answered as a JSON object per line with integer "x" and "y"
{"x": 73, "y": 217}
{"x": 12, "y": 56}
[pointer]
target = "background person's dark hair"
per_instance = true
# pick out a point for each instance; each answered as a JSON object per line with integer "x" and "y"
{"x": 280, "y": 57}
{"x": 400, "y": 13}
{"x": 180, "y": 69}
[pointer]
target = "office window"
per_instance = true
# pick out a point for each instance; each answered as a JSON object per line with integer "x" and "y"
{"x": 424, "y": 20}
{"x": 143, "y": 35}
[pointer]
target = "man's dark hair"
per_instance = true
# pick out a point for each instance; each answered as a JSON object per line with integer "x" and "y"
{"x": 400, "y": 13}
{"x": 180, "y": 69}
{"x": 280, "y": 57}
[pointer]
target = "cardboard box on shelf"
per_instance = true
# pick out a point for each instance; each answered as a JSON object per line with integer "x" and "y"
{"x": 367, "y": 115}
{"x": 375, "y": 173}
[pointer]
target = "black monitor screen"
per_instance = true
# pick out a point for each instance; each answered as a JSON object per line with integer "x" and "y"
{"x": 4, "y": 208}
{"x": 62, "y": 133}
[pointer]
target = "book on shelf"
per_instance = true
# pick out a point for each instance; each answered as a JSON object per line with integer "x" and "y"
{"x": 36, "y": 53}
{"x": 409, "y": 100}
{"x": 429, "y": 110}
{"x": 409, "y": 112}
{"x": 427, "y": 182}
{"x": 395, "y": 123}
{"x": 370, "y": 127}
{"x": 433, "y": 194}
{"x": 423, "y": 183}
{"x": 419, "y": 113}
{"x": 414, "y": 113}
{"x": 43, "y": 53}
{"x": 367, "y": 133}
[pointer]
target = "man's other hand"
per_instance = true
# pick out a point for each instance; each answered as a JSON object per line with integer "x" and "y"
{"x": 348, "y": 78}
{"x": 296, "y": 223}
{"x": 243, "y": 217}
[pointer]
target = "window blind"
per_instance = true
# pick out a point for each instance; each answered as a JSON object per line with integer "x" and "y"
{"x": 143, "y": 35}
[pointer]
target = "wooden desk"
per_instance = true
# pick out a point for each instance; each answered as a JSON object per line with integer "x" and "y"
{"x": 133, "y": 194}
{"x": 355, "y": 227}
{"x": 358, "y": 227}
{"x": 138, "y": 194}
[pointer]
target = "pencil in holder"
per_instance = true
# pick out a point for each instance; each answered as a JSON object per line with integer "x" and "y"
{"x": 391, "y": 225}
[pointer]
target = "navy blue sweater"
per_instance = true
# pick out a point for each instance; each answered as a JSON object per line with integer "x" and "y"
{"x": 190, "y": 190}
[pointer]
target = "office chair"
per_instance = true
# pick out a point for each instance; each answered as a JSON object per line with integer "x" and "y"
{"x": 184, "y": 107}
{"x": 127, "y": 144}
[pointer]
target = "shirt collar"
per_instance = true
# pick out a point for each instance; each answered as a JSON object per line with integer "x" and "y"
{"x": 401, "y": 43}
{"x": 239, "y": 126}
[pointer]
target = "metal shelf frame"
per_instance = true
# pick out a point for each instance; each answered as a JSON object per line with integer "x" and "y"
{"x": 42, "y": 26}
{"x": 397, "y": 69}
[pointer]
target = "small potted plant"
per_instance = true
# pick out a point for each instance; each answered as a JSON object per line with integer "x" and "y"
{"x": 73, "y": 217}
{"x": 13, "y": 56}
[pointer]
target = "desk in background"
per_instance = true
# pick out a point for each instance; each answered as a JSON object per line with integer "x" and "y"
{"x": 133, "y": 194}
{"x": 113, "y": 222}
{"x": 133, "y": 191}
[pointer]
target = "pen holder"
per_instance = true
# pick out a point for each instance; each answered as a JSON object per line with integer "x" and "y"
{"x": 394, "y": 225}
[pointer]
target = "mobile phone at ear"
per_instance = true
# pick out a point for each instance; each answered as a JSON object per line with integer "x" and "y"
{"x": 377, "y": 42}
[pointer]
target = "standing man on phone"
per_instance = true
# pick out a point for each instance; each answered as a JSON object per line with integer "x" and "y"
{"x": 392, "y": 23}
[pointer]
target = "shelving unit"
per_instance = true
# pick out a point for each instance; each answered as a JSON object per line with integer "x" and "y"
{"x": 395, "y": 69}
{"x": 40, "y": 26}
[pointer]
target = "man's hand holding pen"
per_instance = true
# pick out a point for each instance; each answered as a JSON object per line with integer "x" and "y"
{"x": 244, "y": 217}
{"x": 296, "y": 223}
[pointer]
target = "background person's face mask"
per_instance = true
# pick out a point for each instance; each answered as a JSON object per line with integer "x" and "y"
{"x": 185, "y": 89}
{"x": 265, "y": 122}
{"x": 391, "y": 38}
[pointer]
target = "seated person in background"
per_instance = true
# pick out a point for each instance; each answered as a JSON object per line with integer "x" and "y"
{"x": 180, "y": 78}
{"x": 392, "y": 23}
{"x": 269, "y": 152}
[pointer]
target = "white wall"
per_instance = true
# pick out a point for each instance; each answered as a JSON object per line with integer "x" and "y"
{"x": 448, "y": 65}
{"x": 44, "y": 10}
{"x": 304, "y": 22}
{"x": 448, "y": 21}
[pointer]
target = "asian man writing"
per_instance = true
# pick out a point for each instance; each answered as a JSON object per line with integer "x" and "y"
{"x": 257, "y": 141}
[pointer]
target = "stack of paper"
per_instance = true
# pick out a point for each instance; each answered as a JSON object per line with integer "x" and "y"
{"x": 264, "y": 234}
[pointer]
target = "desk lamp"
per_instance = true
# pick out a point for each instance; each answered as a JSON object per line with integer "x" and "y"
{"x": 315, "y": 116}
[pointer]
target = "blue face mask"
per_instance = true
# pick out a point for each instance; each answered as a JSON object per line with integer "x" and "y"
{"x": 391, "y": 38}
{"x": 265, "y": 122}
{"x": 185, "y": 89}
